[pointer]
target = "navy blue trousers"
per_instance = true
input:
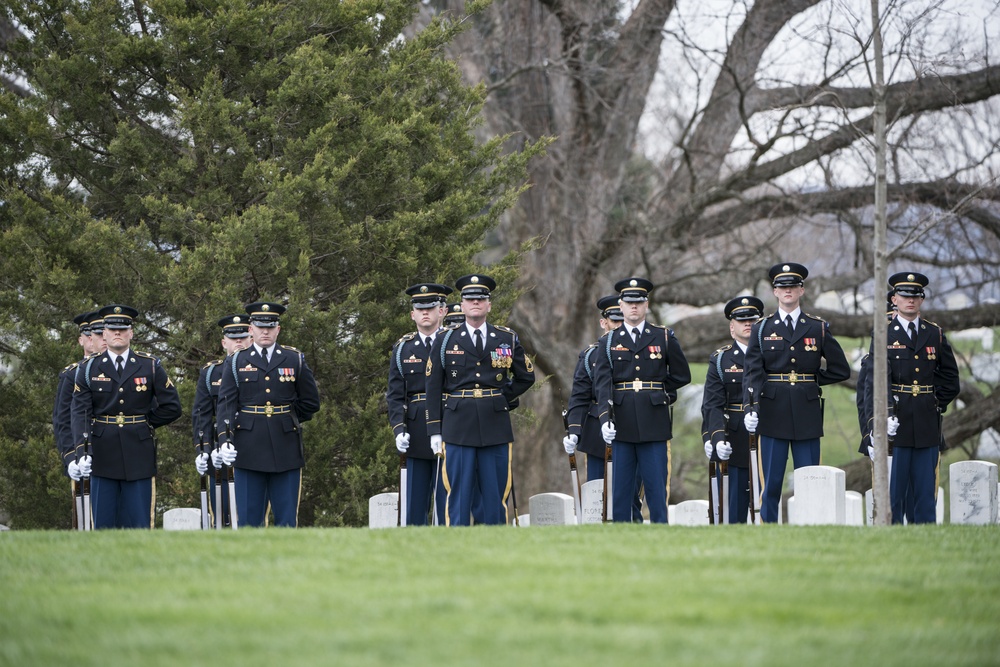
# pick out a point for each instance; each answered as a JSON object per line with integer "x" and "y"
{"x": 774, "y": 458}
{"x": 115, "y": 503}
{"x": 914, "y": 479}
{"x": 464, "y": 467}
{"x": 595, "y": 470}
{"x": 420, "y": 491}
{"x": 635, "y": 462}
{"x": 739, "y": 492}
{"x": 256, "y": 490}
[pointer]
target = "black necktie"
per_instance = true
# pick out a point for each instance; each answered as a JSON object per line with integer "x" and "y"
{"x": 427, "y": 342}
{"x": 119, "y": 365}
{"x": 263, "y": 354}
{"x": 912, "y": 328}
{"x": 788, "y": 323}
{"x": 479, "y": 341}
{"x": 636, "y": 333}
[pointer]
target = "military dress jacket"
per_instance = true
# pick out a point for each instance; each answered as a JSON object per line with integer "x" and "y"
{"x": 469, "y": 395}
{"x": 406, "y": 394}
{"x": 120, "y": 413}
{"x": 722, "y": 404}
{"x": 62, "y": 426}
{"x": 265, "y": 405}
{"x": 583, "y": 412}
{"x": 785, "y": 371}
{"x": 639, "y": 377}
{"x": 923, "y": 376}
{"x": 206, "y": 402}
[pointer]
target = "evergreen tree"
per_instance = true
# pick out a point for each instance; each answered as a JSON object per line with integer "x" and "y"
{"x": 199, "y": 155}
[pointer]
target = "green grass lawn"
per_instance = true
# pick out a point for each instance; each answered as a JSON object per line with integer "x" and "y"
{"x": 590, "y": 595}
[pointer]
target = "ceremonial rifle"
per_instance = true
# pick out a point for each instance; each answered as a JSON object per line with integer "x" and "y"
{"x": 78, "y": 505}
{"x": 88, "y": 519}
{"x": 574, "y": 475}
{"x": 206, "y": 518}
{"x": 608, "y": 470}
{"x": 401, "y": 502}
{"x": 231, "y": 483}
{"x": 754, "y": 464}
{"x": 713, "y": 494}
{"x": 724, "y": 469}
{"x": 437, "y": 476}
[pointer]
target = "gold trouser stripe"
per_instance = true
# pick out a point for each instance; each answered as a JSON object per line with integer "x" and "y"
{"x": 445, "y": 483}
{"x": 669, "y": 466}
{"x": 152, "y": 503}
{"x": 937, "y": 480}
{"x": 510, "y": 481}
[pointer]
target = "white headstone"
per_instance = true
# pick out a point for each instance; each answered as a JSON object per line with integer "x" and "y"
{"x": 592, "y": 500}
{"x": 854, "y": 509}
{"x": 940, "y": 505}
{"x": 819, "y": 496}
{"x": 790, "y": 509}
{"x": 523, "y": 520}
{"x": 551, "y": 509}
{"x": 973, "y": 492}
{"x": 869, "y": 508}
{"x": 382, "y": 510}
{"x": 182, "y": 518}
{"x": 671, "y": 514}
{"x": 691, "y": 513}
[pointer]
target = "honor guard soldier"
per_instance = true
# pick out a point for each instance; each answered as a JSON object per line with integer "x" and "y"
{"x": 454, "y": 316}
{"x": 235, "y": 337}
{"x": 406, "y": 398}
{"x": 61, "y": 421}
{"x": 638, "y": 365}
{"x": 583, "y": 412}
{"x": 119, "y": 397}
{"x": 267, "y": 391}
{"x": 726, "y": 438}
{"x": 473, "y": 375}
{"x": 782, "y": 377}
{"x": 922, "y": 382}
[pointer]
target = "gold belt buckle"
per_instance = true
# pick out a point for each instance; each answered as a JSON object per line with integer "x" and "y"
{"x": 120, "y": 420}
{"x": 793, "y": 377}
{"x": 916, "y": 390}
{"x": 268, "y": 410}
{"x": 477, "y": 393}
{"x": 636, "y": 385}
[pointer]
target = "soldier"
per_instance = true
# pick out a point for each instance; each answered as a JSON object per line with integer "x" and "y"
{"x": 726, "y": 439}
{"x": 119, "y": 397}
{"x": 407, "y": 403}
{"x": 235, "y": 337}
{"x": 61, "y": 422}
{"x": 782, "y": 379}
{"x": 582, "y": 412}
{"x": 267, "y": 391}
{"x": 468, "y": 405}
{"x": 923, "y": 376}
{"x": 638, "y": 364}
{"x": 455, "y": 316}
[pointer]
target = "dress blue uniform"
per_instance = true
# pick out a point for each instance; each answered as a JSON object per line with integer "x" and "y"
{"x": 722, "y": 408}
{"x": 781, "y": 382}
{"x": 636, "y": 378}
{"x": 923, "y": 376}
{"x": 265, "y": 403}
{"x": 206, "y": 403}
{"x": 120, "y": 411}
{"x": 406, "y": 398}
{"x": 469, "y": 397}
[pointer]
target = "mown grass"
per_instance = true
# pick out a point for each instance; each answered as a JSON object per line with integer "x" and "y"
{"x": 621, "y": 595}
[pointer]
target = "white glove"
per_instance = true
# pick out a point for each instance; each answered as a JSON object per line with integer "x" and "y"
{"x": 725, "y": 450}
{"x": 892, "y": 426}
{"x": 437, "y": 445}
{"x": 608, "y": 432}
{"x": 750, "y": 421}
{"x": 216, "y": 458}
{"x": 73, "y": 469}
{"x": 403, "y": 442}
{"x": 201, "y": 463}
{"x": 708, "y": 449}
{"x": 227, "y": 453}
{"x": 569, "y": 443}
{"x": 85, "y": 462}
{"x": 871, "y": 452}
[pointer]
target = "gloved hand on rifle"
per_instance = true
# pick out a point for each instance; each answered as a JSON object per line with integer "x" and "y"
{"x": 227, "y": 453}
{"x": 201, "y": 463}
{"x": 437, "y": 444}
{"x": 73, "y": 470}
{"x": 750, "y": 420}
{"x": 216, "y": 458}
{"x": 892, "y": 425}
{"x": 725, "y": 450}
{"x": 403, "y": 442}
{"x": 708, "y": 449}
{"x": 871, "y": 452}
{"x": 608, "y": 432}
{"x": 85, "y": 463}
{"x": 569, "y": 443}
